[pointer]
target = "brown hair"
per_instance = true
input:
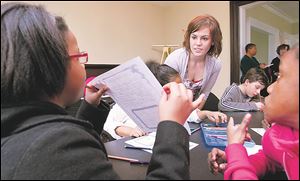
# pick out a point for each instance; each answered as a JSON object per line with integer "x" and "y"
{"x": 282, "y": 47}
{"x": 210, "y": 22}
{"x": 256, "y": 74}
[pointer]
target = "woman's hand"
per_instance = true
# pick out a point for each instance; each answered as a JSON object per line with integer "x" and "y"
{"x": 93, "y": 95}
{"x": 216, "y": 161}
{"x": 216, "y": 116}
{"x": 239, "y": 132}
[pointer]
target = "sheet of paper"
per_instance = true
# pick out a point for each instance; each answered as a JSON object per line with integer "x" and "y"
{"x": 260, "y": 131}
{"x": 135, "y": 89}
{"x": 148, "y": 142}
{"x": 253, "y": 150}
{"x": 268, "y": 65}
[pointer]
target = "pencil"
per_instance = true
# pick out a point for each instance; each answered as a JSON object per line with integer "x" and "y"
{"x": 218, "y": 137}
{"x": 92, "y": 88}
{"x": 122, "y": 158}
{"x": 194, "y": 130}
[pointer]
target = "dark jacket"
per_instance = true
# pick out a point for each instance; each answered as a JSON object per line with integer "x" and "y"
{"x": 41, "y": 141}
{"x": 275, "y": 68}
{"x": 246, "y": 64}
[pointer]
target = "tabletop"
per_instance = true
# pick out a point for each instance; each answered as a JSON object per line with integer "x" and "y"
{"x": 198, "y": 156}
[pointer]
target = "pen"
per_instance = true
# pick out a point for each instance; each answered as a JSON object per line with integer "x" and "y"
{"x": 194, "y": 130}
{"x": 122, "y": 158}
{"x": 215, "y": 128}
{"x": 139, "y": 162}
{"x": 219, "y": 137}
{"x": 136, "y": 147}
{"x": 92, "y": 88}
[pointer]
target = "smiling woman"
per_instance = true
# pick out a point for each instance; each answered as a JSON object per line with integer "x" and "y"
{"x": 197, "y": 61}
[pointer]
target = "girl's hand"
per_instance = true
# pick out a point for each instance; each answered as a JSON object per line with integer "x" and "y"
{"x": 239, "y": 132}
{"x": 93, "y": 95}
{"x": 216, "y": 161}
{"x": 176, "y": 103}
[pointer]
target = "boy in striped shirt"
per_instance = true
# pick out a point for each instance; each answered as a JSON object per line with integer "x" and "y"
{"x": 240, "y": 97}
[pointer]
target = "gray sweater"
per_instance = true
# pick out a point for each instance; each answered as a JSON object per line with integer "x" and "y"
{"x": 233, "y": 99}
{"x": 178, "y": 60}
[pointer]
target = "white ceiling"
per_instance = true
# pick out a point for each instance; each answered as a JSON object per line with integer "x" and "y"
{"x": 164, "y": 3}
{"x": 288, "y": 10}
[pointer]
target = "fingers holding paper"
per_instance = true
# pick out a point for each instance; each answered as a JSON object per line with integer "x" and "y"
{"x": 177, "y": 103}
{"x": 93, "y": 94}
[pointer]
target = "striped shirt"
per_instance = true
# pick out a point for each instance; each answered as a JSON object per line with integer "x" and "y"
{"x": 233, "y": 99}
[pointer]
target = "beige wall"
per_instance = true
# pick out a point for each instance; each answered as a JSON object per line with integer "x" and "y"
{"x": 113, "y": 32}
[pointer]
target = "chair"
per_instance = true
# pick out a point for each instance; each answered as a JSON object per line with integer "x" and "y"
{"x": 211, "y": 103}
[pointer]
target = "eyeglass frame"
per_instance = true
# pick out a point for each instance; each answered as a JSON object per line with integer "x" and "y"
{"x": 80, "y": 55}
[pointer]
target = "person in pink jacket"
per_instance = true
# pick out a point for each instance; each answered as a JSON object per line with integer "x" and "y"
{"x": 280, "y": 142}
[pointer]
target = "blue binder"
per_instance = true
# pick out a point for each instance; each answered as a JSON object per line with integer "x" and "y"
{"x": 216, "y": 136}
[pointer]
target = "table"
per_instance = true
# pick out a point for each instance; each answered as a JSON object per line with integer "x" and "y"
{"x": 198, "y": 156}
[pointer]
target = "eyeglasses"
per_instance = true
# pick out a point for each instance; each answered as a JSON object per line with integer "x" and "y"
{"x": 82, "y": 57}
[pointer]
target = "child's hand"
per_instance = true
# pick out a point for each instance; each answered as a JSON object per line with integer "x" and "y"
{"x": 176, "y": 103}
{"x": 136, "y": 132}
{"x": 265, "y": 124}
{"x": 238, "y": 133}
{"x": 216, "y": 161}
{"x": 129, "y": 131}
{"x": 260, "y": 106}
{"x": 93, "y": 95}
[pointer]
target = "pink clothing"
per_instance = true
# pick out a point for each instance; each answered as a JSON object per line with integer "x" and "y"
{"x": 280, "y": 151}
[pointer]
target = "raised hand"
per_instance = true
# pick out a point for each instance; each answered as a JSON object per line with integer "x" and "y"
{"x": 176, "y": 103}
{"x": 239, "y": 132}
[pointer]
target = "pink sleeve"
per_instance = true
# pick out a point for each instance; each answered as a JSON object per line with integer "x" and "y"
{"x": 262, "y": 164}
{"x": 238, "y": 166}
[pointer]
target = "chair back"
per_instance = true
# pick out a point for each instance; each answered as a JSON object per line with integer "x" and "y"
{"x": 211, "y": 103}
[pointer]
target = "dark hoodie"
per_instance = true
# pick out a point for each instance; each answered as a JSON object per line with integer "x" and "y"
{"x": 41, "y": 141}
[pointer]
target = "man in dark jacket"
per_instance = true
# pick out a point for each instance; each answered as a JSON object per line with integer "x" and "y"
{"x": 249, "y": 61}
{"x": 41, "y": 74}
